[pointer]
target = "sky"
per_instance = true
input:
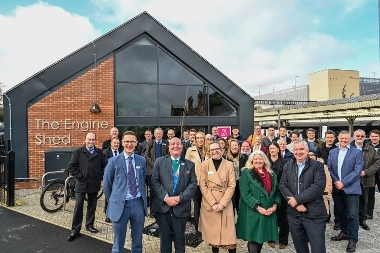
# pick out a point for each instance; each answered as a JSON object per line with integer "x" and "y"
{"x": 261, "y": 45}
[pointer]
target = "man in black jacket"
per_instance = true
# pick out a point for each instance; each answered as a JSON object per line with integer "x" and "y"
{"x": 303, "y": 182}
{"x": 323, "y": 152}
{"x": 87, "y": 167}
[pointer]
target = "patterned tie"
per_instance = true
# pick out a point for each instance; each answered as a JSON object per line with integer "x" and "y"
{"x": 175, "y": 166}
{"x": 132, "y": 178}
{"x": 115, "y": 153}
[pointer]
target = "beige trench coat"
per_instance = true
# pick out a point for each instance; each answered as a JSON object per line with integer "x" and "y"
{"x": 217, "y": 228}
{"x": 193, "y": 155}
{"x": 328, "y": 189}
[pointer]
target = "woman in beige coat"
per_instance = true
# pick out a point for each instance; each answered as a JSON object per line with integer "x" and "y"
{"x": 217, "y": 184}
{"x": 328, "y": 190}
{"x": 197, "y": 154}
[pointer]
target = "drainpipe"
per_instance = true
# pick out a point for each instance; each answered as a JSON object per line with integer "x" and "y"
{"x": 10, "y": 118}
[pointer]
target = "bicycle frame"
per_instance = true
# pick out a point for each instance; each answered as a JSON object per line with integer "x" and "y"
{"x": 64, "y": 192}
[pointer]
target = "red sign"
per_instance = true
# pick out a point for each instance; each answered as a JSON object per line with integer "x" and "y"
{"x": 224, "y": 131}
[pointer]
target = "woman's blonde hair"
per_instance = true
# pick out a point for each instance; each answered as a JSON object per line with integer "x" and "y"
{"x": 229, "y": 155}
{"x": 249, "y": 163}
{"x": 204, "y": 148}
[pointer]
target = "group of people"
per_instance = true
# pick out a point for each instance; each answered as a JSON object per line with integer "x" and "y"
{"x": 274, "y": 185}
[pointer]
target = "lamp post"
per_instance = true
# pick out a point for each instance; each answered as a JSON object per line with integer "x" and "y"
{"x": 295, "y": 82}
{"x": 259, "y": 89}
{"x": 374, "y": 74}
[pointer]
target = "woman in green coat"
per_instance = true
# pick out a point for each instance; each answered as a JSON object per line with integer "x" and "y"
{"x": 259, "y": 200}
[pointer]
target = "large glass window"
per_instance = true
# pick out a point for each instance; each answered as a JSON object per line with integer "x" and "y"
{"x": 171, "y": 71}
{"x": 187, "y": 100}
{"x": 136, "y": 99}
{"x": 150, "y": 82}
{"x": 219, "y": 106}
{"x": 137, "y": 63}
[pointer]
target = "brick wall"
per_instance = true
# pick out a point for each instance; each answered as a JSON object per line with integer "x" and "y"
{"x": 56, "y": 116}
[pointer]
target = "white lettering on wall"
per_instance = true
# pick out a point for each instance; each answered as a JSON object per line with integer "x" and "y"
{"x": 68, "y": 124}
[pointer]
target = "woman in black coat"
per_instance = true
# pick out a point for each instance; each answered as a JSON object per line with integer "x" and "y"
{"x": 238, "y": 160}
{"x": 277, "y": 162}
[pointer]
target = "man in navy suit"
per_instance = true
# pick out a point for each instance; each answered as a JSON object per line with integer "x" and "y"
{"x": 123, "y": 186}
{"x": 174, "y": 183}
{"x": 345, "y": 165}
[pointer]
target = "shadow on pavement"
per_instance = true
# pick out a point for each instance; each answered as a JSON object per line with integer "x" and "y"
{"x": 20, "y": 233}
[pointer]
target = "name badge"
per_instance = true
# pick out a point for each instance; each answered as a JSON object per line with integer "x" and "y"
{"x": 183, "y": 164}
{"x": 137, "y": 167}
{"x": 211, "y": 172}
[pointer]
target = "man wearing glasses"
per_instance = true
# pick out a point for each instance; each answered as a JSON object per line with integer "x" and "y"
{"x": 367, "y": 177}
{"x": 123, "y": 185}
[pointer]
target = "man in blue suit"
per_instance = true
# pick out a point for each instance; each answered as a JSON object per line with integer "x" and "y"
{"x": 123, "y": 186}
{"x": 345, "y": 165}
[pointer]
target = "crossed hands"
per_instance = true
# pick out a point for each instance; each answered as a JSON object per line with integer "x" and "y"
{"x": 217, "y": 207}
{"x": 172, "y": 201}
{"x": 268, "y": 211}
{"x": 339, "y": 185}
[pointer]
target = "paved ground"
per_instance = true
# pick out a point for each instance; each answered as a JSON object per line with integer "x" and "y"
{"x": 28, "y": 204}
{"x": 21, "y": 233}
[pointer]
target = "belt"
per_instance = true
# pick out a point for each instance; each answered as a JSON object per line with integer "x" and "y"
{"x": 133, "y": 200}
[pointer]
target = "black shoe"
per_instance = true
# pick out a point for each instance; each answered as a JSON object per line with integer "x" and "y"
{"x": 336, "y": 226}
{"x": 73, "y": 235}
{"x": 364, "y": 225}
{"x": 92, "y": 230}
{"x": 351, "y": 247}
{"x": 340, "y": 237}
{"x": 107, "y": 220}
{"x": 369, "y": 217}
{"x": 152, "y": 214}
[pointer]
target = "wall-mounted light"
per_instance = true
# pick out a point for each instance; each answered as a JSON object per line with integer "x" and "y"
{"x": 95, "y": 108}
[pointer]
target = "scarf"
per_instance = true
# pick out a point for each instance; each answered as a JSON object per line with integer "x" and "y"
{"x": 265, "y": 177}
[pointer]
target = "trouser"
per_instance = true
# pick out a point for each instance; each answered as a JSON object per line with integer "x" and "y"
{"x": 170, "y": 225}
{"x": 78, "y": 210}
{"x": 363, "y": 204}
{"x": 348, "y": 211}
{"x": 304, "y": 230}
{"x": 197, "y": 199}
{"x": 371, "y": 195}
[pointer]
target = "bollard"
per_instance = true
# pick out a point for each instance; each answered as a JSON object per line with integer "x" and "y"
{"x": 11, "y": 179}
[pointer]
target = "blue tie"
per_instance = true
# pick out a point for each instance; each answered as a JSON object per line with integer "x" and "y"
{"x": 132, "y": 178}
{"x": 175, "y": 166}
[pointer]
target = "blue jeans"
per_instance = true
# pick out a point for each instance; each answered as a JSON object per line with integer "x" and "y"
{"x": 134, "y": 212}
{"x": 305, "y": 229}
{"x": 348, "y": 211}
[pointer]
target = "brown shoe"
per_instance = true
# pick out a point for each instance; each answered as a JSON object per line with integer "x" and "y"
{"x": 281, "y": 246}
{"x": 271, "y": 244}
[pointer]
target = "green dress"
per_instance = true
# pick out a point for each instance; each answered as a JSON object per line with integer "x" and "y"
{"x": 251, "y": 225}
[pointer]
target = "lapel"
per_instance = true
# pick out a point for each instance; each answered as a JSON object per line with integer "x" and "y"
{"x": 348, "y": 154}
{"x": 122, "y": 161}
{"x": 137, "y": 168}
{"x": 182, "y": 167}
{"x": 168, "y": 167}
{"x": 196, "y": 154}
{"x": 212, "y": 174}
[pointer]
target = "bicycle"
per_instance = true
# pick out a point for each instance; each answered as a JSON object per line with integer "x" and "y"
{"x": 55, "y": 193}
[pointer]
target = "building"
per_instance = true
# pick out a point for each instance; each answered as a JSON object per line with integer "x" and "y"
{"x": 140, "y": 75}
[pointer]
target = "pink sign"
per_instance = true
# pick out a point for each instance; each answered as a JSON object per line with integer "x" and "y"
{"x": 224, "y": 131}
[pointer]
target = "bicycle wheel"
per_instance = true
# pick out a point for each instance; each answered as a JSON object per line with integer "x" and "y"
{"x": 52, "y": 196}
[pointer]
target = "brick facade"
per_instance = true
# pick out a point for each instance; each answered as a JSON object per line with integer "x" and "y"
{"x": 65, "y": 114}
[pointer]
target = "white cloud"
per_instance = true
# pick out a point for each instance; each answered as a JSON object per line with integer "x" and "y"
{"x": 37, "y": 36}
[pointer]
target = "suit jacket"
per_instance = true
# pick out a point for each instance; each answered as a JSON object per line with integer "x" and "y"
{"x": 115, "y": 184}
{"x": 288, "y": 140}
{"x": 185, "y": 146}
{"x": 108, "y": 152}
{"x": 150, "y": 153}
{"x": 87, "y": 169}
{"x": 351, "y": 170}
{"x": 141, "y": 148}
{"x": 162, "y": 185}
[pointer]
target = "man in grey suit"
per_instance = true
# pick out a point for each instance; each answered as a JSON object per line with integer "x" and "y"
{"x": 123, "y": 186}
{"x": 346, "y": 165}
{"x": 174, "y": 183}
{"x": 154, "y": 149}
